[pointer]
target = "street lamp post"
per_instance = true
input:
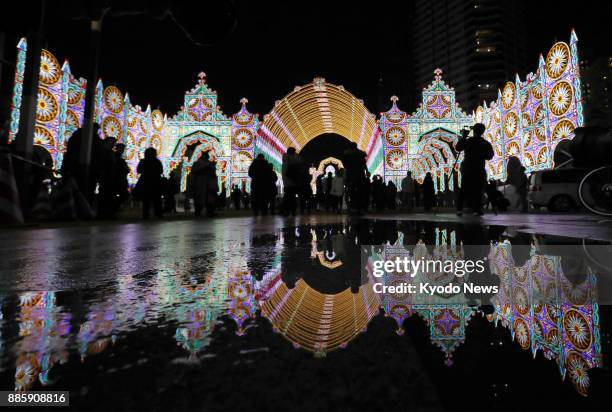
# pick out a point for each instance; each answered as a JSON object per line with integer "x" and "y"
{"x": 88, "y": 118}
{"x": 24, "y": 141}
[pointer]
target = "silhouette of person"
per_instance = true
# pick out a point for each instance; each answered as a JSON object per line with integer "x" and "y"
{"x": 518, "y": 179}
{"x": 204, "y": 185}
{"x": 391, "y": 195}
{"x": 105, "y": 177}
{"x": 173, "y": 187}
{"x": 473, "y": 174}
{"x": 355, "y": 177}
{"x": 320, "y": 196}
{"x": 150, "y": 183}
{"x": 258, "y": 173}
{"x": 428, "y": 192}
{"x": 337, "y": 190}
{"x": 495, "y": 198}
{"x": 305, "y": 190}
{"x": 71, "y": 167}
{"x": 120, "y": 178}
{"x": 378, "y": 193}
{"x": 292, "y": 175}
{"x": 408, "y": 191}
{"x": 271, "y": 190}
{"x": 236, "y": 197}
{"x": 328, "y": 188}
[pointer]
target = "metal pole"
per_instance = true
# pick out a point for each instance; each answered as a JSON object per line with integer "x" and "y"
{"x": 24, "y": 141}
{"x": 88, "y": 121}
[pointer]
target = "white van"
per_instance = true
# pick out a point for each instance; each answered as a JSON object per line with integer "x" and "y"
{"x": 556, "y": 189}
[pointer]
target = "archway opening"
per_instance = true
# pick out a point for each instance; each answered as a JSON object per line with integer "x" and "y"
{"x": 322, "y": 147}
{"x": 324, "y": 154}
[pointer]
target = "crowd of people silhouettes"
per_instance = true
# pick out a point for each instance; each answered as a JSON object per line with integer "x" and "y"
{"x": 350, "y": 187}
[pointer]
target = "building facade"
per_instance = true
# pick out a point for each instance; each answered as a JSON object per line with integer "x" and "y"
{"x": 478, "y": 44}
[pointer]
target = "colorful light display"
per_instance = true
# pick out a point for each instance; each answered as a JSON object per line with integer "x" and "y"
{"x": 60, "y": 105}
{"x": 319, "y": 322}
{"x": 22, "y": 48}
{"x": 446, "y": 317}
{"x": 530, "y": 118}
{"x": 565, "y": 330}
{"x": 314, "y": 109}
{"x": 424, "y": 141}
{"x": 546, "y": 311}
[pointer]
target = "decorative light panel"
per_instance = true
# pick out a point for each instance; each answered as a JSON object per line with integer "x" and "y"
{"x": 566, "y": 330}
{"x": 60, "y": 103}
{"x": 530, "y": 118}
{"x": 408, "y": 138}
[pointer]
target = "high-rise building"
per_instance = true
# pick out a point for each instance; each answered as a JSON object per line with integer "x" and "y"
{"x": 597, "y": 91}
{"x": 479, "y": 45}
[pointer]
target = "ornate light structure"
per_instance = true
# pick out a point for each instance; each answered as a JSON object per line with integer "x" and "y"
{"x": 528, "y": 120}
{"x": 314, "y": 109}
{"x": 22, "y": 48}
{"x": 563, "y": 323}
{"x": 316, "y": 321}
{"x": 546, "y": 311}
{"x": 60, "y": 104}
{"x": 423, "y": 142}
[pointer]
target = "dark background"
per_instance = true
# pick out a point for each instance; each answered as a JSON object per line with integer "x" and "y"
{"x": 262, "y": 50}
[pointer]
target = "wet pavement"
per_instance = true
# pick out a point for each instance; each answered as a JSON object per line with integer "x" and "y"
{"x": 273, "y": 313}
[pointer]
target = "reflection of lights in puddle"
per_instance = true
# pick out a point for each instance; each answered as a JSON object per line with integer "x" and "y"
{"x": 197, "y": 301}
{"x": 328, "y": 264}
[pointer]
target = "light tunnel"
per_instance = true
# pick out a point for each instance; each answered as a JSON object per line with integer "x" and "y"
{"x": 319, "y": 108}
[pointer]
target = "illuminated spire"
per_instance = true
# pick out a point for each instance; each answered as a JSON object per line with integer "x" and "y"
{"x": 202, "y": 77}
{"x": 438, "y": 74}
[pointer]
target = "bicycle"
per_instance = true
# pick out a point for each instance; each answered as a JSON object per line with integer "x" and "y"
{"x": 595, "y": 191}
{"x": 592, "y": 147}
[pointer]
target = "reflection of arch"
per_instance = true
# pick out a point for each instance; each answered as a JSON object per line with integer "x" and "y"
{"x": 315, "y": 109}
{"x": 320, "y": 322}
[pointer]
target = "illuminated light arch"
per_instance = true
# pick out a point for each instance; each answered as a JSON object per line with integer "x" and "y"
{"x": 315, "y": 109}
{"x": 319, "y": 322}
{"x": 198, "y": 137}
{"x": 327, "y": 161}
{"x": 437, "y": 146}
{"x": 203, "y": 142}
{"x": 320, "y": 170}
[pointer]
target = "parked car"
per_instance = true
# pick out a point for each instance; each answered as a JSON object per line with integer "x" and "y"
{"x": 556, "y": 189}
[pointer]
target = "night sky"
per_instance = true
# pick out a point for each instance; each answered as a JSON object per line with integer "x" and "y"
{"x": 262, "y": 50}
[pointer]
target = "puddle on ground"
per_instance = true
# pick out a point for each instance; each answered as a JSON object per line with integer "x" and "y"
{"x": 289, "y": 317}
